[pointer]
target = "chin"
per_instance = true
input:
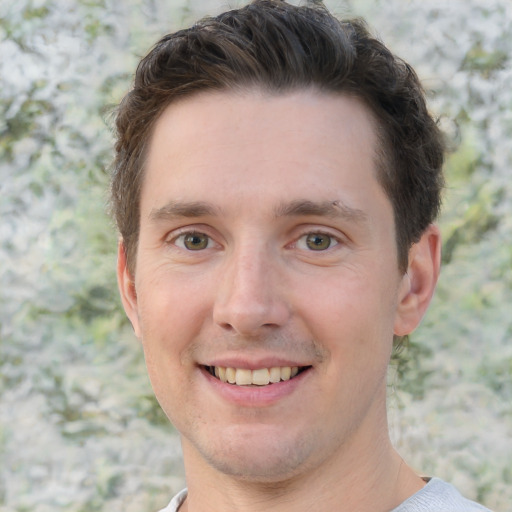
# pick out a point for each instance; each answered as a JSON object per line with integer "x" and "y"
{"x": 257, "y": 458}
{"x": 267, "y": 471}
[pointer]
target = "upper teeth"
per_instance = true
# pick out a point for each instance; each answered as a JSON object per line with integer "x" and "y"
{"x": 259, "y": 377}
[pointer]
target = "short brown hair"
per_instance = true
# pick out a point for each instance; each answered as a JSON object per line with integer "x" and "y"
{"x": 279, "y": 47}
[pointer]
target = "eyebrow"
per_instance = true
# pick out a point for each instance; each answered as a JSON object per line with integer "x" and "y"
{"x": 334, "y": 209}
{"x": 175, "y": 209}
{"x": 296, "y": 208}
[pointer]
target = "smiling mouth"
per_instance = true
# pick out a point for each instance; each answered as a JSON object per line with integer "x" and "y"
{"x": 259, "y": 377}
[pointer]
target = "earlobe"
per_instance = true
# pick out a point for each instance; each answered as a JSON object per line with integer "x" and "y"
{"x": 127, "y": 288}
{"x": 419, "y": 282}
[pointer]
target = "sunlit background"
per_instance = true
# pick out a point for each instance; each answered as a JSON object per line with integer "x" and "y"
{"x": 80, "y": 430}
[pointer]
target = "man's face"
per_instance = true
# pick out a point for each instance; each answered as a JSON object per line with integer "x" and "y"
{"x": 267, "y": 247}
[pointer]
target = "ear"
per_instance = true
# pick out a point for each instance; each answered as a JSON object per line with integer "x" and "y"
{"x": 419, "y": 282}
{"x": 127, "y": 288}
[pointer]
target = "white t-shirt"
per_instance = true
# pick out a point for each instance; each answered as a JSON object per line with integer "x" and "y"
{"x": 436, "y": 496}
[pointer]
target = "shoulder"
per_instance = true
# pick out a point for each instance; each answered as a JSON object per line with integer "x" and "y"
{"x": 438, "y": 495}
{"x": 176, "y": 502}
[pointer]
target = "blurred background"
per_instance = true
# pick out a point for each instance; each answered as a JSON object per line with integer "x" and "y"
{"x": 80, "y": 430}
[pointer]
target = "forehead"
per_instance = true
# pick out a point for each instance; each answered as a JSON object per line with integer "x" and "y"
{"x": 253, "y": 144}
{"x": 299, "y": 109}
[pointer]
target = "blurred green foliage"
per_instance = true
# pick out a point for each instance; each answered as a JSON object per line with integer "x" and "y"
{"x": 80, "y": 429}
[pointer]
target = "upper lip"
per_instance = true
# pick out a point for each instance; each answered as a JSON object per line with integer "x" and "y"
{"x": 254, "y": 363}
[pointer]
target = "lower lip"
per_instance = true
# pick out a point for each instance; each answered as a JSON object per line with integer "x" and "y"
{"x": 255, "y": 396}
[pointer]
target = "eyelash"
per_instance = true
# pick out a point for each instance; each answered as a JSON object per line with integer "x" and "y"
{"x": 191, "y": 233}
{"x": 301, "y": 240}
{"x": 333, "y": 241}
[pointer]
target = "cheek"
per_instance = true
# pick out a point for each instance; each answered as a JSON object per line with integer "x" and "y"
{"x": 171, "y": 307}
{"x": 171, "y": 317}
{"x": 352, "y": 319}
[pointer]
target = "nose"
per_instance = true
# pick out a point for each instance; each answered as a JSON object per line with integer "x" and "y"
{"x": 250, "y": 296}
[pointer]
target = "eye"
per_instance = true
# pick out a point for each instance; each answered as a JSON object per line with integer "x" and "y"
{"x": 316, "y": 242}
{"x": 193, "y": 241}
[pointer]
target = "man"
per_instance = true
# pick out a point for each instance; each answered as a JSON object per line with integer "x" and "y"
{"x": 275, "y": 186}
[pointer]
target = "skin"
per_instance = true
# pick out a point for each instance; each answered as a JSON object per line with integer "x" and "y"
{"x": 255, "y": 178}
